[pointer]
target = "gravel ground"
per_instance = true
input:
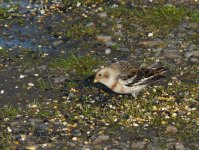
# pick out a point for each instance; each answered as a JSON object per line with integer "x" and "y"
{"x": 49, "y": 53}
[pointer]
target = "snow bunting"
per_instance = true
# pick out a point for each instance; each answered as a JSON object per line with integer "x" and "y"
{"x": 122, "y": 78}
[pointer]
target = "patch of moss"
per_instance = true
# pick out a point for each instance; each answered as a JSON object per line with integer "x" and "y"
{"x": 71, "y": 84}
{"x": 164, "y": 18}
{"x": 4, "y": 14}
{"x": 193, "y": 15}
{"x": 81, "y": 66}
{"x": 20, "y": 21}
{"x": 43, "y": 85}
{"x": 6, "y": 140}
{"x": 8, "y": 111}
{"x": 82, "y": 2}
{"x": 79, "y": 30}
{"x": 3, "y": 53}
{"x": 156, "y": 19}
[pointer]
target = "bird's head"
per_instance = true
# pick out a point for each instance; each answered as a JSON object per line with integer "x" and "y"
{"x": 105, "y": 76}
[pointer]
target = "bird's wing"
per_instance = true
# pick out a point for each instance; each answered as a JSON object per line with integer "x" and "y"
{"x": 131, "y": 76}
{"x": 146, "y": 76}
{"x": 126, "y": 72}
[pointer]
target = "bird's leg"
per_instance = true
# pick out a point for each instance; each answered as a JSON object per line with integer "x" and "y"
{"x": 134, "y": 95}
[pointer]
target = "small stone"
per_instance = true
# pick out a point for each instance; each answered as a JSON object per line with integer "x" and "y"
{"x": 74, "y": 138}
{"x": 119, "y": 26}
{"x": 76, "y": 132}
{"x": 103, "y": 38}
{"x": 42, "y": 11}
{"x": 139, "y": 144}
{"x": 90, "y": 24}
{"x": 31, "y": 84}
{"x": 21, "y": 76}
{"x": 29, "y": 70}
{"x": 101, "y": 138}
{"x": 43, "y": 67}
{"x": 171, "y": 130}
{"x": 2, "y": 91}
{"x": 150, "y": 34}
{"x": 44, "y": 145}
{"x": 102, "y": 14}
{"x": 123, "y": 49}
{"x": 9, "y": 129}
{"x": 135, "y": 124}
{"x": 107, "y": 51}
{"x": 193, "y": 25}
{"x": 179, "y": 146}
{"x": 109, "y": 43}
{"x": 174, "y": 115}
{"x": 150, "y": 44}
{"x": 56, "y": 43}
{"x": 59, "y": 80}
{"x": 194, "y": 59}
{"x": 78, "y": 4}
{"x": 31, "y": 147}
{"x": 192, "y": 53}
{"x": 181, "y": 113}
{"x": 23, "y": 137}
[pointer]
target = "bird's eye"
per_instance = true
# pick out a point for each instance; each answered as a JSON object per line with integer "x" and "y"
{"x": 100, "y": 75}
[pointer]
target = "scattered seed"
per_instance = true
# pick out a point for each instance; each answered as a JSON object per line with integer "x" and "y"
{"x": 21, "y": 76}
{"x": 74, "y": 138}
{"x": 150, "y": 34}
{"x": 2, "y": 91}
{"x": 9, "y": 129}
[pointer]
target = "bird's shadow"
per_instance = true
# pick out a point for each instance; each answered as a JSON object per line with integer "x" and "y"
{"x": 89, "y": 81}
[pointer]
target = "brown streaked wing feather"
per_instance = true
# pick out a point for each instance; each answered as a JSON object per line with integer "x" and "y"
{"x": 125, "y": 69}
{"x": 144, "y": 73}
{"x": 127, "y": 72}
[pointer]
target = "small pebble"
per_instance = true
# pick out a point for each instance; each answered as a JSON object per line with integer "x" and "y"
{"x": 74, "y": 138}
{"x": 174, "y": 115}
{"x": 179, "y": 146}
{"x": 107, "y": 51}
{"x": 135, "y": 124}
{"x": 36, "y": 75}
{"x": 23, "y": 137}
{"x": 150, "y": 34}
{"x": 9, "y": 129}
{"x": 78, "y": 4}
{"x": 2, "y": 91}
{"x": 21, "y": 76}
{"x": 104, "y": 38}
{"x": 102, "y": 15}
{"x": 30, "y": 84}
{"x": 31, "y": 147}
{"x": 101, "y": 138}
{"x": 44, "y": 145}
{"x": 171, "y": 130}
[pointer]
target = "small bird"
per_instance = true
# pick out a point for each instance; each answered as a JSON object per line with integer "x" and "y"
{"x": 122, "y": 78}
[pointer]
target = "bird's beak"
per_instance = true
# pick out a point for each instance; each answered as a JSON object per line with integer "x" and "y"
{"x": 95, "y": 80}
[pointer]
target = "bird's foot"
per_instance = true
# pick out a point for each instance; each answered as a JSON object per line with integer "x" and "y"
{"x": 134, "y": 95}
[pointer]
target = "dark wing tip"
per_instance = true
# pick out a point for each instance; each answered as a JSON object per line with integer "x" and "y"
{"x": 161, "y": 71}
{"x": 149, "y": 75}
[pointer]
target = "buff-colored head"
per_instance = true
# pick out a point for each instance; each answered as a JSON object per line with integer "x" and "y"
{"x": 105, "y": 76}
